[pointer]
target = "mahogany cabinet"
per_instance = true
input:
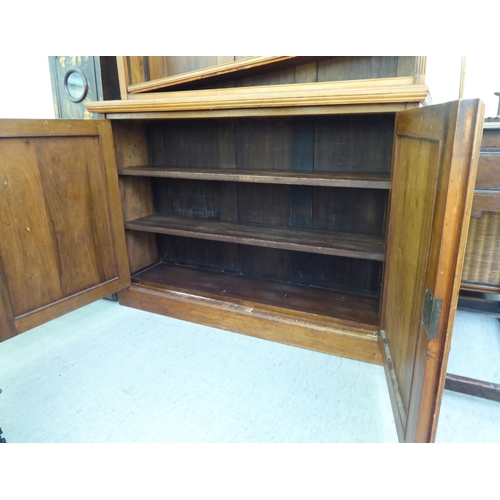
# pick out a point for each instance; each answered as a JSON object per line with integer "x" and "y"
{"x": 330, "y": 216}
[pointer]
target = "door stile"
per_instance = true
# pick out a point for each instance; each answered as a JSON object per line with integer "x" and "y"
{"x": 446, "y": 276}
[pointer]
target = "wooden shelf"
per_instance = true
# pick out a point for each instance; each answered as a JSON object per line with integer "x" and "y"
{"x": 242, "y": 67}
{"x": 355, "y": 245}
{"x": 287, "y": 297}
{"x": 327, "y": 179}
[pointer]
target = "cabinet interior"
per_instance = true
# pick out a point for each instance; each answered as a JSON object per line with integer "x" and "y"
{"x": 285, "y": 212}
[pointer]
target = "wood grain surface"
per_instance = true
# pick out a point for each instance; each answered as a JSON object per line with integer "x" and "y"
{"x": 378, "y": 91}
{"x": 329, "y": 243}
{"x": 310, "y": 332}
{"x": 360, "y": 180}
{"x": 435, "y": 163}
{"x": 62, "y": 229}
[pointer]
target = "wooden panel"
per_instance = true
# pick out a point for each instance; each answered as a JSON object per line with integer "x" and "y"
{"x": 317, "y": 110}
{"x": 306, "y": 73}
{"x": 268, "y": 204}
{"x": 264, "y": 144}
{"x": 200, "y": 199}
{"x": 488, "y": 173}
{"x": 353, "y": 143}
{"x": 123, "y": 76}
{"x": 491, "y": 141}
{"x": 325, "y": 271}
{"x": 267, "y": 263}
{"x": 328, "y": 243}
{"x": 195, "y": 72}
{"x": 196, "y": 144}
{"x": 485, "y": 201}
{"x": 212, "y": 255}
{"x": 330, "y": 336}
{"x": 358, "y": 67}
{"x": 276, "y": 77}
{"x": 412, "y": 66}
{"x": 358, "y": 276}
{"x": 155, "y": 67}
{"x": 435, "y": 152}
{"x": 180, "y": 71}
{"x": 7, "y": 326}
{"x": 176, "y": 65}
{"x": 62, "y": 230}
{"x": 350, "y": 210}
{"x": 414, "y": 222}
{"x": 136, "y": 73}
{"x": 131, "y": 149}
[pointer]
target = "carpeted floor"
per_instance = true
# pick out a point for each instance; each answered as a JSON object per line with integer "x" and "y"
{"x": 110, "y": 374}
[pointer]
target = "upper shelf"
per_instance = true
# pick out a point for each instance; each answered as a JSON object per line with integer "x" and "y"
{"x": 327, "y": 179}
{"x": 242, "y": 67}
{"x": 388, "y": 93}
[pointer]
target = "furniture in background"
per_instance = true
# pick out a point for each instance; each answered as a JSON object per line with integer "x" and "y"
{"x": 480, "y": 285}
{"x": 77, "y": 80}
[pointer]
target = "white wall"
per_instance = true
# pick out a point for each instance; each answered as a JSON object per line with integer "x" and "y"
{"x": 28, "y": 93}
{"x": 25, "y": 89}
{"x": 482, "y": 79}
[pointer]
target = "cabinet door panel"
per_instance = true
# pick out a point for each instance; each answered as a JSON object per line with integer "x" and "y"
{"x": 436, "y": 150}
{"x": 62, "y": 240}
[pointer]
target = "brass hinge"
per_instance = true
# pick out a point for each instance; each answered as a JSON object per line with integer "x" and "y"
{"x": 432, "y": 314}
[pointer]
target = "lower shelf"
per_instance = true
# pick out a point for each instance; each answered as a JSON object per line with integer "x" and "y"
{"x": 336, "y": 323}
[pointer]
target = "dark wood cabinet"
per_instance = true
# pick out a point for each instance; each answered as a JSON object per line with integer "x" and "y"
{"x": 330, "y": 215}
{"x": 77, "y": 80}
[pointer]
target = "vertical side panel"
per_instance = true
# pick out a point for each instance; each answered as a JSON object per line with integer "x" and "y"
{"x": 131, "y": 146}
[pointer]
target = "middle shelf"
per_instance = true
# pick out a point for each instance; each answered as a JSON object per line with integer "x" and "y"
{"x": 344, "y": 244}
{"x": 375, "y": 180}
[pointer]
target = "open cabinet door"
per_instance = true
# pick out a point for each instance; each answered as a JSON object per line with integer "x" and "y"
{"x": 436, "y": 150}
{"x": 62, "y": 242}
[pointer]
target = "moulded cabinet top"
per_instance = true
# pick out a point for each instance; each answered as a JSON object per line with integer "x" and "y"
{"x": 227, "y": 86}
{"x": 371, "y": 95}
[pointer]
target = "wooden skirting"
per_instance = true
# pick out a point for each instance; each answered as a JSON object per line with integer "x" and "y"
{"x": 324, "y": 334}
